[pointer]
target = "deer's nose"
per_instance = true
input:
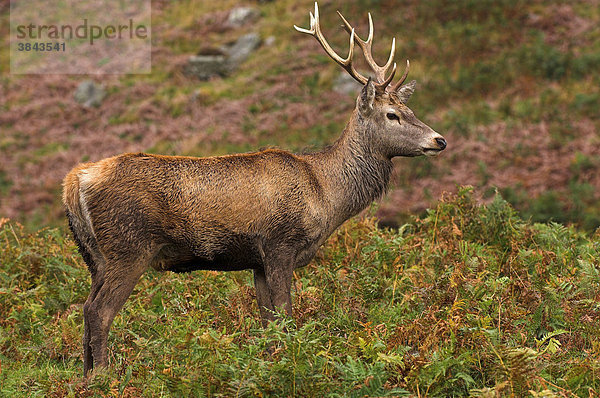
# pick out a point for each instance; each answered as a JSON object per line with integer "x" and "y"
{"x": 441, "y": 143}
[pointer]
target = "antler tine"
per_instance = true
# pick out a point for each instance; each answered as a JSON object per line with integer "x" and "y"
{"x": 397, "y": 85}
{"x": 315, "y": 31}
{"x": 366, "y": 47}
{"x": 390, "y": 77}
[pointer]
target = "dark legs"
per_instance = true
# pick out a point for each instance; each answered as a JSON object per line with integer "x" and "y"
{"x": 263, "y": 297}
{"x": 88, "y": 359}
{"x": 114, "y": 282}
{"x": 273, "y": 287}
{"x": 107, "y": 297}
{"x": 280, "y": 285}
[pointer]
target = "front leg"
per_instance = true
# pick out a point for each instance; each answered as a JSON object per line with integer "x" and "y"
{"x": 263, "y": 297}
{"x": 279, "y": 271}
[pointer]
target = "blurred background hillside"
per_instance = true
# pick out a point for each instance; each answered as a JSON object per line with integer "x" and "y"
{"x": 513, "y": 86}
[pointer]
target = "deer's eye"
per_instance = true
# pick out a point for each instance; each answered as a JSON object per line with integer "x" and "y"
{"x": 392, "y": 116}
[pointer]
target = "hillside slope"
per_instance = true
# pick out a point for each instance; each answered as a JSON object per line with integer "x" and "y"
{"x": 512, "y": 85}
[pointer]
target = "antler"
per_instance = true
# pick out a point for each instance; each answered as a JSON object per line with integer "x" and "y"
{"x": 315, "y": 31}
{"x": 366, "y": 47}
{"x": 397, "y": 85}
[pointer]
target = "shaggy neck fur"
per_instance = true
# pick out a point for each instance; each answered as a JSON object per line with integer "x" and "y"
{"x": 354, "y": 172}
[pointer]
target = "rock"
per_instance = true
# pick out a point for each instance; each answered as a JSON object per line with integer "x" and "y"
{"x": 204, "y": 67}
{"x": 239, "y": 16}
{"x": 346, "y": 84}
{"x": 223, "y": 61}
{"x": 89, "y": 93}
{"x": 269, "y": 41}
{"x": 207, "y": 63}
{"x": 241, "y": 49}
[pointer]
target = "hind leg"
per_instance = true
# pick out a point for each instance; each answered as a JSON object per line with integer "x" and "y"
{"x": 88, "y": 359}
{"x": 101, "y": 310}
{"x": 88, "y": 249}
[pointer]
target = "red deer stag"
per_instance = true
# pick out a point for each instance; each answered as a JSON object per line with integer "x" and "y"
{"x": 267, "y": 211}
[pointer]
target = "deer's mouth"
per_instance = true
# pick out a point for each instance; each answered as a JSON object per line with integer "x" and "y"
{"x": 431, "y": 151}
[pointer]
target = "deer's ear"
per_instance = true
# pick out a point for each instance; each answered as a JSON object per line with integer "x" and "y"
{"x": 406, "y": 91}
{"x": 367, "y": 98}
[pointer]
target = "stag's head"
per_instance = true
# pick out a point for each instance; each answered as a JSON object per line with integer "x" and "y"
{"x": 381, "y": 104}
